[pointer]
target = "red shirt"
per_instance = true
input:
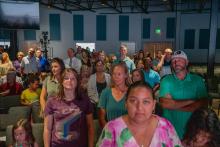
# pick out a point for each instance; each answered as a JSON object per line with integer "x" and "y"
{"x": 15, "y": 89}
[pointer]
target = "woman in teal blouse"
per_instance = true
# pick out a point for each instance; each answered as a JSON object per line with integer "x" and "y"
{"x": 112, "y": 100}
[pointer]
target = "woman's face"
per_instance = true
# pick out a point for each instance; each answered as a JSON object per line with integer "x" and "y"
{"x": 101, "y": 56}
{"x": 99, "y": 67}
{"x": 84, "y": 54}
{"x": 119, "y": 76}
{"x": 4, "y": 57}
{"x": 140, "y": 64}
{"x": 136, "y": 76}
{"x": 20, "y": 57}
{"x": 141, "y": 55}
{"x": 201, "y": 139}
{"x": 20, "y": 135}
{"x": 56, "y": 69}
{"x": 69, "y": 81}
{"x": 140, "y": 104}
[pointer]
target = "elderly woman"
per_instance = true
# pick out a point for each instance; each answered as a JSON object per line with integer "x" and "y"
{"x": 112, "y": 99}
{"x": 139, "y": 128}
{"x": 68, "y": 116}
{"x": 5, "y": 64}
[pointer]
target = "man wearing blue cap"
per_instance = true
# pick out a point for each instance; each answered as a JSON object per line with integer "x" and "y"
{"x": 181, "y": 93}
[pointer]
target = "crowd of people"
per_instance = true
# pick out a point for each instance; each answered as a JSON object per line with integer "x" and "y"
{"x": 124, "y": 93}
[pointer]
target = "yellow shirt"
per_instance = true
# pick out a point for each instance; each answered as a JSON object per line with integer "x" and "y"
{"x": 29, "y": 97}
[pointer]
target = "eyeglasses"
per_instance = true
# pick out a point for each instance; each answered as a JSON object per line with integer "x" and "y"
{"x": 68, "y": 78}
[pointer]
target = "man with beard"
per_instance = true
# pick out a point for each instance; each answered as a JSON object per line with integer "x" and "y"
{"x": 181, "y": 93}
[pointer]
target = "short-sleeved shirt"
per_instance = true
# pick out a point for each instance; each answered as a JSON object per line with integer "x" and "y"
{"x": 30, "y": 65}
{"x": 117, "y": 134}
{"x": 130, "y": 64}
{"x": 30, "y": 96}
{"x": 52, "y": 86}
{"x": 152, "y": 77}
{"x": 69, "y": 127}
{"x": 112, "y": 107}
{"x": 166, "y": 69}
{"x": 192, "y": 87}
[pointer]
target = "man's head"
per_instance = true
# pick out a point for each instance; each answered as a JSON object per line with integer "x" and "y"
{"x": 70, "y": 52}
{"x": 79, "y": 49}
{"x": 179, "y": 61}
{"x": 38, "y": 53}
{"x": 123, "y": 50}
{"x": 31, "y": 52}
{"x": 168, "y": 53}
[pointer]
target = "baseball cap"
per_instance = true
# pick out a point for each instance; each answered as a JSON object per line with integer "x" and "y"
{"x": 179, "y": 54}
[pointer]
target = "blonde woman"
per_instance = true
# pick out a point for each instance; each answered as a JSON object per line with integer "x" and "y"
{"x": 6, "y": 64}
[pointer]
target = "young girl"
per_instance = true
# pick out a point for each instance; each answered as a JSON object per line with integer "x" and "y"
{"x": 203, "y": 129}
{"x": 137, "y": 75}
{"x": 22, "y": 135}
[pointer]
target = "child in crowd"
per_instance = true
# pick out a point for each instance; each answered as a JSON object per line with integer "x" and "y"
{"x": 137, "y": 75}
{"x": 203, "y": 129}
{"x": 31, "y": 95}
{"x": 22, "y": 135}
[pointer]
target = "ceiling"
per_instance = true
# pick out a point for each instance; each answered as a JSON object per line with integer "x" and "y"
{"x": 129, "y": 6}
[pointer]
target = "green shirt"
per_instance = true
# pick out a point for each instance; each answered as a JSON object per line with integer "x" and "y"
{"x": 112, "y": 107}
{"x": 192, "y": 87}
{"x": 52, "y": 86}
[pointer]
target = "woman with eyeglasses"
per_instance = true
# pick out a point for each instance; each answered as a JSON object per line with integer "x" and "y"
{"x": 68, "y": 116}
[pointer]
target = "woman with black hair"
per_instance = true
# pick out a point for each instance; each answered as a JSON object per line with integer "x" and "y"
{"x": 203, "y": 129}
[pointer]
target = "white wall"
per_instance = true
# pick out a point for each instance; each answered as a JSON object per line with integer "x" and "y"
{"x": 111, "y": 45}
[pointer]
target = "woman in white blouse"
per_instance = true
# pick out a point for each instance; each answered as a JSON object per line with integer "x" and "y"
{"x": 97, "y": 82}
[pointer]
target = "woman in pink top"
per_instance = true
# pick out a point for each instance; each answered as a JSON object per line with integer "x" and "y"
{"x": 140, "y": 127}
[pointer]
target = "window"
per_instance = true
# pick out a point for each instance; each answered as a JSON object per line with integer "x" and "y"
{"x": 100, "y": 27}
{"x": 171, "y": 27}
{"x": 55, "y": 32}
{"x": 204, "y": 35}
{"x": 146, "y": 28}
{"x": 189, "y": 39}
{"x": 78, "y": 27}
{"x": 123, "y": 28}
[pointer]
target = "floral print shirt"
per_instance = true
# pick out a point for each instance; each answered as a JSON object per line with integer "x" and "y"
{"x": 117, "y": 134}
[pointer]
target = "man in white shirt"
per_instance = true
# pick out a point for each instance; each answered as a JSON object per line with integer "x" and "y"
{"x": 72, "y": 61}
{"x": 30, "y": 64}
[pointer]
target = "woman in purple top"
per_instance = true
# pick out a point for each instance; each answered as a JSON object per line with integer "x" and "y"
{"x": 68, "y": 116}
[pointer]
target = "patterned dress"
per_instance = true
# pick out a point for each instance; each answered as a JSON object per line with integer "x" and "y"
{"x": 117, "y": 134}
